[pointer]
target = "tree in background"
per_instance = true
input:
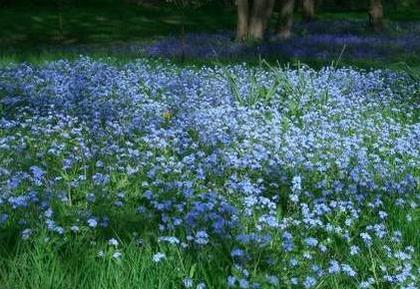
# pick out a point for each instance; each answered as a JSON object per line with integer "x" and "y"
{"x": 253, "y": 17}
{"x": 183, "y": 5}
{"x": 308, "y": 7}
{"x": 376, "y": 15}
{"x": 285, "y": 19}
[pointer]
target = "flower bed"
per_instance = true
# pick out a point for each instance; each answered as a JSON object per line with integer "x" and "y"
{"x": 291, "y": 177}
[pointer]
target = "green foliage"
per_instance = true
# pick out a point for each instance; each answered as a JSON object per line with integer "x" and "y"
{"x": 182, "y": 4}
{"x": 256, "y": 93}
{"x": 82, "y": 262}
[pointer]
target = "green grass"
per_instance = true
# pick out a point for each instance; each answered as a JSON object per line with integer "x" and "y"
{"x": 48, "y": 261}
{"x": 20, "y": 26}
{"x": 75, "y": 263}
{"x": 39, "y": 37}
{"x": 44, "y": 35}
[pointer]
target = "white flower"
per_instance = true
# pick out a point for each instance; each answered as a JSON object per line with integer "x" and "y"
{"x": 187, "y": 282}
{"x": 158, "y": 257}
{"x": 92, "y": 223}
{"x": 26, "y": 234}
{"x": 74, "y": 229}
{"x": 117, "y": 255}
{"x": 113, "y": 242}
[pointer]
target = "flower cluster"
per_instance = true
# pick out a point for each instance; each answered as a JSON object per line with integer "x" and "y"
{"x": 321, "y": 40}
{"x": 299, "y": 172}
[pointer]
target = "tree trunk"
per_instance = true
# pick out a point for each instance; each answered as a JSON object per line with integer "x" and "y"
{"x": 285, "y": 20}
{"x": 258, "y": 23}
{"x": 269, "y": 12}
{"x": 243, "y": 18}
{"x": 308, "y": 10}
{"x": 376, "y": 15}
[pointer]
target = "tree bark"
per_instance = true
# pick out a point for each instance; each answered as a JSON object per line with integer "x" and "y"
{"x": 376, "y": 15}
{"x": 243, "y": 18}
{"x": 285, "y": 20}
{"x": 308, "y": 10}
{"x": 269, "y": 13}
{"x": 259, "y": 19}
{"x": 253, "y": 18}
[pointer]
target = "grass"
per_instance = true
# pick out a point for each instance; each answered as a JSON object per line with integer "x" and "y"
{"x": 47, "y": 261}
{"x": 20, "y": 26}
{"x": 75, "y": 263}
{"x": 47, "y": 34}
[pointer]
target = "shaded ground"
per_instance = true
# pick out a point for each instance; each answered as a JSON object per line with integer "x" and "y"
{"x": 126, "y": 31}
{"x": 21, "y": 26}
{"x": 322, "y": 41}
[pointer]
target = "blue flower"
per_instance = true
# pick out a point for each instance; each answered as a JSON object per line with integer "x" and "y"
{"x": 334, "y": 267}
{"x": 243, "y": 284}
{"x": 311, "y": 242}
{"x": 273, "y": 280}
{"x": 38, "y": 174}
{"x": 237, "y": 253}
{"x": 309, "y": 282}
{"x": 348, "y": 270}
{"x": 113, "y": 242}
{"x": 92, "y": 222}
{"x": 231, "y": 281}
{"x": 3, "y": 218}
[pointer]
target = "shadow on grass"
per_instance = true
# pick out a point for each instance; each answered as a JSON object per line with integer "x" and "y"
{"x": 24, "y": 26}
